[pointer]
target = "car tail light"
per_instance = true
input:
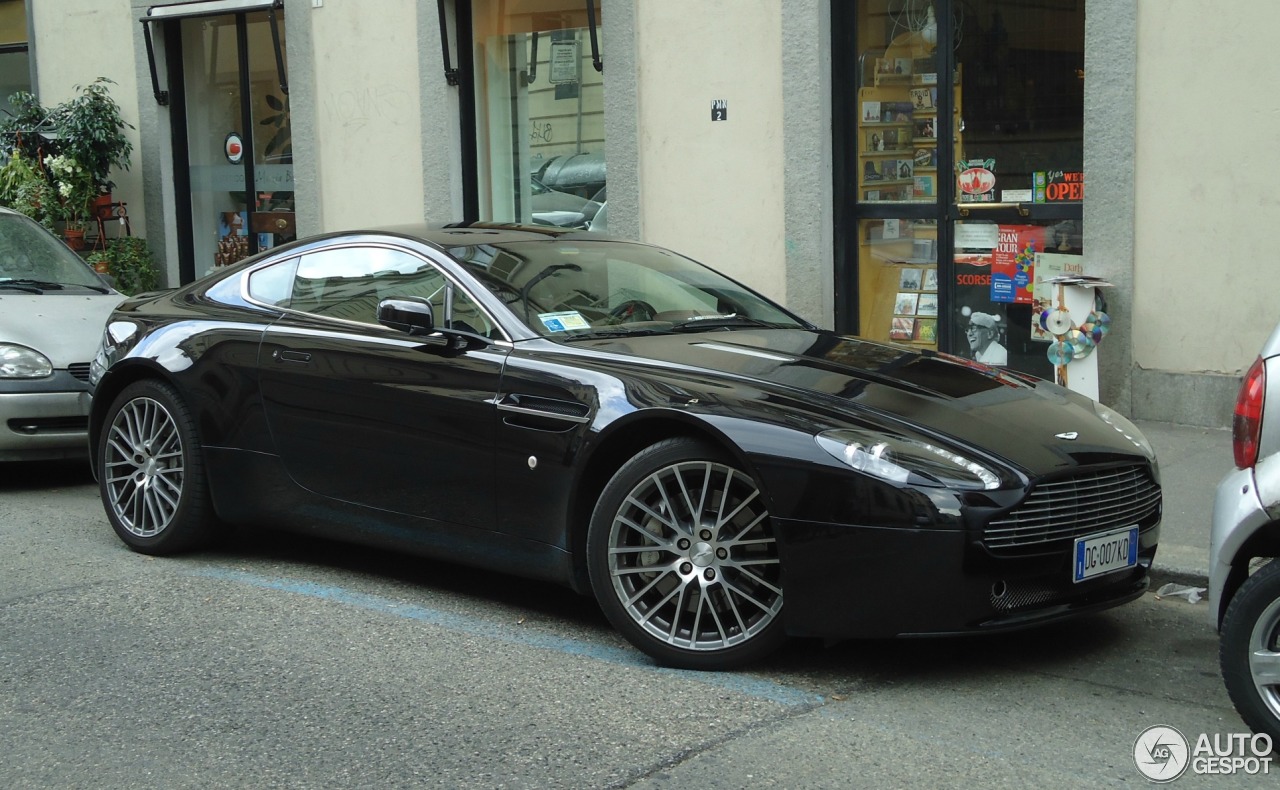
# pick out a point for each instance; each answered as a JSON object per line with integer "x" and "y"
{"x": 1246, "y": 426}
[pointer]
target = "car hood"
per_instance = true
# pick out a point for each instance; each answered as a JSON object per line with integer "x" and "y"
{"x": 65, "y": 328}
{"x": 1035, "y": 425}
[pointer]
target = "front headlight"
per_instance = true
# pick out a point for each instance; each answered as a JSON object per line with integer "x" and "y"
{"x": 20, "y": 362}
{"x": 899, "y": 459}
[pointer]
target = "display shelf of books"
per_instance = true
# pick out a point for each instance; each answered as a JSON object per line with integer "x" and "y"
{"x": 898, "y": 125}
{"x": 899, "y": 278}
{"x": 898, "y": 163}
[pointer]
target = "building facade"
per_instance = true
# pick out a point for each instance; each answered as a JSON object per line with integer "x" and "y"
{"x": 883, "y": 167}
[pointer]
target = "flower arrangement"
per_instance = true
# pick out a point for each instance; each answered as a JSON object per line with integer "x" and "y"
{"x": 76, "y": 188}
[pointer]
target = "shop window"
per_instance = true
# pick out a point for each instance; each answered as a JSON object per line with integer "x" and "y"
{"x": 15, "y": 61}
{"x": 540, "y": 113}
{"x": 962, "y": 162}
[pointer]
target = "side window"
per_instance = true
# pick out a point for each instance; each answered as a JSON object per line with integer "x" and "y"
{"x": 349, "y": 282}
{"x": 273, "y": 284}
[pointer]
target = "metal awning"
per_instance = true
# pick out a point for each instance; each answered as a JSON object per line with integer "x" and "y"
{"x": 208, "y": 8}
{"x": 172, "y": 11}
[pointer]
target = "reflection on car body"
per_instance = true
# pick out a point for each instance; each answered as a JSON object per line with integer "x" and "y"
{"x": 617, "y": 418}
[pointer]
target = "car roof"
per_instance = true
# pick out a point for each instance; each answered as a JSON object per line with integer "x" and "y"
{"x": 471, "y": 233}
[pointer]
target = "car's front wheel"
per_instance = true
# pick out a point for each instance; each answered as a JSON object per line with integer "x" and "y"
{"x": 683, "y": 559}
{"x": 1249, "y": 651}
{"x": 151, "y": 472}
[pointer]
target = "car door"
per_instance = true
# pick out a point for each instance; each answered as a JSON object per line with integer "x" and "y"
{"x": 371, "y": 415}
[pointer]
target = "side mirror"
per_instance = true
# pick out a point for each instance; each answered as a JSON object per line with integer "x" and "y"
{"x": 407, "y": 314}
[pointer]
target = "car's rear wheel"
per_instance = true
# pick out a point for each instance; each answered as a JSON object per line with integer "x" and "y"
{"x": 1249, "y": 651}
{"x": 151, "y": 471}
{"x": 683, "y": 559}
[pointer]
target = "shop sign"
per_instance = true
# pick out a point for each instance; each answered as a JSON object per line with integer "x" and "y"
{"x": 1058, "y": 186}
{"x": 233, "y": 147}
{"x": 564, "y": 62}
{"x": 976, "y": 181}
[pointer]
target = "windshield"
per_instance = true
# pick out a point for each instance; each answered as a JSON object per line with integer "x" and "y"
{"x": 30, "y": 254}
{"x": 569, "y": 290}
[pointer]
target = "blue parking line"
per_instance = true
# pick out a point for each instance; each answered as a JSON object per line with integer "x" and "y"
{"x": 728, "y": 681}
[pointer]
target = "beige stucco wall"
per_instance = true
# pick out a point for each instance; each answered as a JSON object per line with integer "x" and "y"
{"x": 713, "y": 190}
{"x": 69, "y": 45}
{"x": 1206, "y": 203}
{"x": 368, "y": 118}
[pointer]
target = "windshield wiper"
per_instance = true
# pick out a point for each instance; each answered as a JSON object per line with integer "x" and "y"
{"x": 39, "y": 286}
{"x": 619, "y": 330}
{"x": 729, "y": 320}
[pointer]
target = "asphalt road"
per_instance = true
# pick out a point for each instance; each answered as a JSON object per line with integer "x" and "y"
{"x": 283, "y": 662}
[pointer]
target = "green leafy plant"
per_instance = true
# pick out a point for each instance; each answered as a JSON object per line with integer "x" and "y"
{"x": 91, "y": 131}
{"x": 76, "y": 190}
{"x": 25, "y": 188}
{"x": 130, "y": 263}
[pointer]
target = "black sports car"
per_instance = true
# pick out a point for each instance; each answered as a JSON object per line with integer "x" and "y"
{"x": 618, "y": 418}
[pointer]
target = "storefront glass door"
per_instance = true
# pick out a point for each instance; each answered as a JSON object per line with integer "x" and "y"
{"x": 962, "y": 153}
{"x": 239, "y": 150}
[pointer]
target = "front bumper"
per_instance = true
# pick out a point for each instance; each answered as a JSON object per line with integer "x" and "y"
{"x": 44, "y": 421}
{"x": 847, "y": 581}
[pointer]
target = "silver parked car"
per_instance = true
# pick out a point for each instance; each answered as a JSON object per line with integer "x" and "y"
{"x": 53, "y": 308}
{"x": 1244, "y": 582}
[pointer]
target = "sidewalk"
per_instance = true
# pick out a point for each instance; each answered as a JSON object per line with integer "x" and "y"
{"x": 1192, "y": 461}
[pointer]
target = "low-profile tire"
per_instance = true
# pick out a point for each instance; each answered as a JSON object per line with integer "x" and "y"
{"x": 1249, "y": 651}
{"x": 151, "y": 471}
{"x": 683, "y": 559}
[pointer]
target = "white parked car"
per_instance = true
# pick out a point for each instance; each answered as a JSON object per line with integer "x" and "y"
{"x": 53, "y": 308}
{"x": 1244, "y": 584}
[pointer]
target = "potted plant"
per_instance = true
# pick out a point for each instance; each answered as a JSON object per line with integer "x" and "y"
{"x": 128, "y": 260}
{"x": 91, "y": 131}
{"x": 76, "y": 191}
{"x": 26, "y": 188}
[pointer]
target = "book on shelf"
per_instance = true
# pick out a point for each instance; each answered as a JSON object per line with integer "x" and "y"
{"x": 931, "y": 278}
{"x": 871, "y": 194}
{"x": 902, "y": 65}
{"x": 909, "y": 280}
{"x": 891, "y": 229}
{"x": 905, "y": 304}
{"x": 922, "y": 186}
{"x": 926, "y": 129}
{"x": 926, "y": 157}
{"x": 874, "y": 140}
{"x": 924, "y": 98}
{"x": 894, "y": 111}
{"x": 871, "y": 112}
{"x": 924, "y": 250}
{"x": 902, "y": 328}
{"x": 928, "y": 304}
{"x": 926, "y": 330}
{"x": 906, "y": 169}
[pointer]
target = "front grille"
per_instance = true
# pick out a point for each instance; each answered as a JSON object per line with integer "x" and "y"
{"x": 80, "y": 370}
{"x": 1073, "y": 507}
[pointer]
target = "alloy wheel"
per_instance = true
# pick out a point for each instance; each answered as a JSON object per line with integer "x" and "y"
{"x": 1264, "y": 657}
{"x": 692, "y": 557}
{"x": 143, "y": 467}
